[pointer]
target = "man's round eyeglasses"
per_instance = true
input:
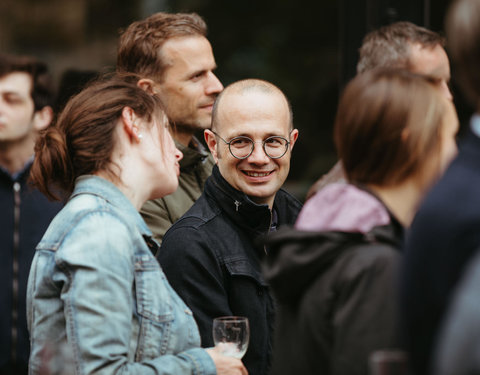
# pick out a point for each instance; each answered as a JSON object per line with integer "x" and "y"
{"x": 242, "y": 147}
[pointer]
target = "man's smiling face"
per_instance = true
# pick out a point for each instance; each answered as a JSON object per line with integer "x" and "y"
{"x": 258, "y": 115}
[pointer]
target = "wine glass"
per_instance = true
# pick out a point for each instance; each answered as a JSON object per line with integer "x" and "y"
{"x": 231, "y": 335}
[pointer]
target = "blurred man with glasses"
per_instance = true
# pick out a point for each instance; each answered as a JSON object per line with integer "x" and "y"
{"x": 211, "y": 256}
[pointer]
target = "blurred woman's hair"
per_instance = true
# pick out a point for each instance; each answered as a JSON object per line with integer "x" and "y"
{"x": 388, "y": 126}
{"x": 82, "y": 139}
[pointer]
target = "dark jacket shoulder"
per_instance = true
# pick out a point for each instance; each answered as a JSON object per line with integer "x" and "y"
{"x": 335, "y": 290}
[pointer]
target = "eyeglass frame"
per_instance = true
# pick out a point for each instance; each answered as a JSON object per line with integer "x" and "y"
{"x": 253, "y": 145}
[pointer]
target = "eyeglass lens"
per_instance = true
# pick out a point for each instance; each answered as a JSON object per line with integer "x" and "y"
{"x": 274, "y": 147}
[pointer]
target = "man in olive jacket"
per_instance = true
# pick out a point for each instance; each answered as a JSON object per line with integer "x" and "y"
{"x": 210, "y": 256}
{"x": 174, "y": 60}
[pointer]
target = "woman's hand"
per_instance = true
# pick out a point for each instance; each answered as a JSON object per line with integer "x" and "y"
{"x": 226, "y": 365}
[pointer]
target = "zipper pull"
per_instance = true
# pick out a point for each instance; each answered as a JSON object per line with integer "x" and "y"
{"x": 237, "y": 204}
{"x": 16, "y": 192}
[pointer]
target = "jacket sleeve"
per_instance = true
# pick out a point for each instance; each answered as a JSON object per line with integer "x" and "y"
{"x": 365, "y": 308}
{"x": 157, "y": 217}
{"x": 193, "y": 270}
{"x": 98, "y": 270}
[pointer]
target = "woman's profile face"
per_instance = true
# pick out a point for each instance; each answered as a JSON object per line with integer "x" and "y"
{"x": 161, "y": 156}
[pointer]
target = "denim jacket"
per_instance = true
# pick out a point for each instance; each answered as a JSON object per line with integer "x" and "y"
{"x": 96, "y": 288}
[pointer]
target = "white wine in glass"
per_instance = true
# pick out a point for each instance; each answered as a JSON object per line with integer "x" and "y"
{"x": 231, "y": 335}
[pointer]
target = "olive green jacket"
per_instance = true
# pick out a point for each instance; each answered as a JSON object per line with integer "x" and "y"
{"x": 195, "y": 167}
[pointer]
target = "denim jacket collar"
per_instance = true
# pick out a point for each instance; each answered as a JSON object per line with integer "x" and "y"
{"x": 95, "y": 185}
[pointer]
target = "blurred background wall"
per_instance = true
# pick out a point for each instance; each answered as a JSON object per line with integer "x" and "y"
{"x": 307, "y": 48}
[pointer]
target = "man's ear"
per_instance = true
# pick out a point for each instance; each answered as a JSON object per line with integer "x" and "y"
{"x": 147, "y": 85}
{"x": 293, "y": 138}
{"x": 211, "y": 142}
{"x": 42, "y": 118}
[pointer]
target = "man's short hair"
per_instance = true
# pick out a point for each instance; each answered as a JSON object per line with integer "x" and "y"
{"x": 42, "y": 91}
{"x": 389, "y": 46}
{"x": 463, "y": 32}
{"x": 139, "y": 45}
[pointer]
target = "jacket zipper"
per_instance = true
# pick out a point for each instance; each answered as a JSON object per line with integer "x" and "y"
{"x": 16, "y": 245}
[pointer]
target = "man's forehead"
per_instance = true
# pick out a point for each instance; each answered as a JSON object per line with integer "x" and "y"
{"x": 429, "y": 60}
{"x": 245, "y": 101}
{"x": 256, "y": 107}
{"x": 186, "y": 49}
{"x": 16, "y": 82}
{"x": 252, "y": 97}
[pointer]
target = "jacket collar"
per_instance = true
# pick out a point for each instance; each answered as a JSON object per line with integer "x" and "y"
{"x": 22, "y": 174}
{"x": 243, "y": 211}
{"x": 394, "y": 232}
{"x": 193, "y": 154}
{"x": 95, "y": 185}
{"x": 298, "y": 257}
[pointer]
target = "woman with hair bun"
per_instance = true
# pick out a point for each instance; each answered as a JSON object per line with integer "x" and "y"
{"x": 95, "y": 288}
{"x": 334, "y": 275}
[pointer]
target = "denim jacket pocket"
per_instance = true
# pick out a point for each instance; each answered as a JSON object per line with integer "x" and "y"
{"x": 154, "y": 307}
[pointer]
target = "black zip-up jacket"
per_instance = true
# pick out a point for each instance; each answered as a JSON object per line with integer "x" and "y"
{"x": 25, "y": 214}
{"x": 212, "y": 260}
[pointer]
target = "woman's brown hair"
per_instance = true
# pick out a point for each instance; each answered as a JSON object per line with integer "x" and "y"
{"x": 388, "y": 126}
{"x": 82, "y": 139}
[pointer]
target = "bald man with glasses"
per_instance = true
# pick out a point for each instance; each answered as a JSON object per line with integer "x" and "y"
{"x": 211, "y": 256}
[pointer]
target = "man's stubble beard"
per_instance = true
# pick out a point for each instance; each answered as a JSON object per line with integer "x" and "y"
{"x": 191, "y": 128}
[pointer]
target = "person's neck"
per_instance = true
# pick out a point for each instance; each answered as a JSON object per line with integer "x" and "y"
{"x": 127, "y": 184}
{"x": 402, "y": 200}
{"x": 14, "y": 155}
